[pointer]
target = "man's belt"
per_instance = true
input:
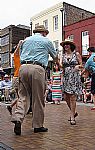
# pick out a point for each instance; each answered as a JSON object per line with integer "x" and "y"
{"x": 34, "y": 63}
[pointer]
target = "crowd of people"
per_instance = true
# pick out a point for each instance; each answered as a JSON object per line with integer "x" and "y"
{"x": 31, "y": 84}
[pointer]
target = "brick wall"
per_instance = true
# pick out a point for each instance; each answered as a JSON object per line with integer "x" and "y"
{"x": 15, "y": 34}
{"x": 77, "y": 28}
{"x": 74, "y": 14}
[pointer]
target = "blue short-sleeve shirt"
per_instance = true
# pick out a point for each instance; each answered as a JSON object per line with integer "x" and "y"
{"x": 37, "y": 48}
{"x": 90, "y": 64}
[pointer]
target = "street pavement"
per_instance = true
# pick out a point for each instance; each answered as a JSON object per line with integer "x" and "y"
{"x": 60, "y": 136}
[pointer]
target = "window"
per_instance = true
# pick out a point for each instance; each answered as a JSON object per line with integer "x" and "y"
{"x": 0, "y": 41}
{"x": 71, "y": 37}
{"x": 0, "y": 46}
{"x": 45, "y": 23}
{"x": 85, "y": 33}
{"x": 83, "y": 15}
{"x": 56, "y": 45}
{"x": 5, "y": 40}
{"x": 85, "y": 42}
{"x": 55, "y": 22}
{"x": 12, "y": 60}
{"x": 4, "y": 58}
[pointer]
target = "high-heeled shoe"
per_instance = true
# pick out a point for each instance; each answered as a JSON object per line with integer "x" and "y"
{"x": 75, "y": 115}
{"x": 72, "y": 122}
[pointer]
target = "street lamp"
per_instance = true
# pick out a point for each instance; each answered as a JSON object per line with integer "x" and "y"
{"x": 30, "y": 28}
{"x": 63, "y": 32}
{"x": 9, "y": 44}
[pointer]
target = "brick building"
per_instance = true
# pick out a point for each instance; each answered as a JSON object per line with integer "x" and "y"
{"x": 10, "y": 37}
{"x": 56, "y": 18}
{"x": 73, "y": 14}
{"x": 0, "y": 46}
{"x": 83, "y": 34}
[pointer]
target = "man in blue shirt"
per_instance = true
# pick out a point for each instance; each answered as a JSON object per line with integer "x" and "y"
{"x": 34, "y": 55}
{"x": 90, "y": 69}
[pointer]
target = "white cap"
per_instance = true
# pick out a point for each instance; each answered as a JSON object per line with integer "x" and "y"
{"x": 6, "y": 76}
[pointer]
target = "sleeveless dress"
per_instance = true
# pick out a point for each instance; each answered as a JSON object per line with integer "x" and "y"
{"x": 71, "y": 77}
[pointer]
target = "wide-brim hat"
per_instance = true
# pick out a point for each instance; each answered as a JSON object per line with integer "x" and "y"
{"x": 68, "y": 41}
{"x": 91, "y": 49}
{"x": 40, "y": 28}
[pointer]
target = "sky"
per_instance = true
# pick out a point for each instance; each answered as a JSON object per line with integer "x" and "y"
{"x": 14, "y": 12}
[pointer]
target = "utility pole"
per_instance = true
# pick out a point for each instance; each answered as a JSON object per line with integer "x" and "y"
{"x": 30, "y": 28}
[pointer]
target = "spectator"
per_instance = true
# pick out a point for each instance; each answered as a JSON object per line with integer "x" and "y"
{"x": 56, "y": 85}
{"x": 6, "y": 85}
{"x": 48, "y": 94}
{"x": 90, "y": 70}
{"x": 15, "y": 82}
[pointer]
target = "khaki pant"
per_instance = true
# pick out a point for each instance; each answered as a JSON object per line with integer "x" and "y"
{"x": 31, "y": 84}
{"x": 7, "y": 93}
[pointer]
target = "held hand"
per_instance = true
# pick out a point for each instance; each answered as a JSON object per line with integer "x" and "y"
{"x": 59, "y": 64}
{"x": 78, "y": 67}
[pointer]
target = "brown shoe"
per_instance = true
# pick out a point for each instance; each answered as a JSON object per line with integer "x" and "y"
{"x": 17, "y": 128}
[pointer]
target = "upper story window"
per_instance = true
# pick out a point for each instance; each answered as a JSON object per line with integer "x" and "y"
{"x": 55, "y": 22}
{"x": 0, "y": 41}
{"x": 56, "y": 45}
{"x": 83, "y": 15}
{"x": 45, "y": 23}
{"x": 5, "y": 40}
{"x": 85, "y": 33}
{"x": 85, "y": 42}
{"x": 4, "y": 58}
{"x": 37, "y": 24}
{"x": 71, "y": 37}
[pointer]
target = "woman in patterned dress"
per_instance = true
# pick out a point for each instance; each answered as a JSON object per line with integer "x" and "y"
{"x": 72, "y": 64}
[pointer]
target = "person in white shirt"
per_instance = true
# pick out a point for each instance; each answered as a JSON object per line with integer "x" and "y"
{"x": 6, "y": 85}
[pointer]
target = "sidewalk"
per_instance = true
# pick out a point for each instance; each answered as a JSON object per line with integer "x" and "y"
{"x": 60, "y": 136}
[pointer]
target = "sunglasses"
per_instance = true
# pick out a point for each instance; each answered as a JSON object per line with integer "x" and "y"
{"x": 66, "y": 45}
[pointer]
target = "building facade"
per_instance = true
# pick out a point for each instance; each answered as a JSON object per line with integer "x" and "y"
{"x": 83, "y": 34}
{"x": 0, "y": 47}
{"x": 10, "y": 37}
{"x": 56, "y": 18}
